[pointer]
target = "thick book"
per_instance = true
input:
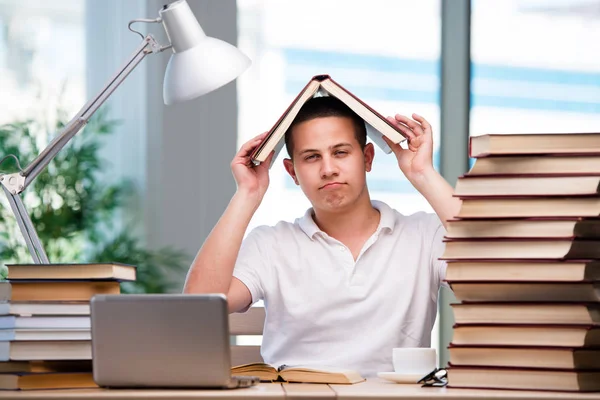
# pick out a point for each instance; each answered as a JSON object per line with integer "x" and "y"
{"x": 554, "y": 143}
{"x": 45, "y": 322}
{"x": 526, "y": 313}
{"x": 46, "y": 366}
{"x": 24, "y": 334}
{"x": 527, "y": 185}
{"x": 46, "y": 350}
{"x": 284, "y": 373}
{"x": 45, "y": 308}
{"x": 523, "y": 379}
{"x": 527, "y": 335}
{"x": 74, "y": 290}
{"x": 523, "y": 270}
{"x": 525, "y": 357}
{"x": 566, "y": 228}
{"x": 555, "y": 292}
{"x": 122, "y": 272}
{"x": 377, "y": 125}
{"x": 46, "y": 380}
{"x": 550, "y": 207}
{"x": 542, "y": 164}
{"x": 525, "y": 249}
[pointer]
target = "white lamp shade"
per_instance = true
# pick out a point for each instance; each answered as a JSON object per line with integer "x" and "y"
{"x": 199, "y": 63}
{"x": 203, "y": 68}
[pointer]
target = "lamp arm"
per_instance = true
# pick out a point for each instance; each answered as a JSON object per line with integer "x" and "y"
{"x": 14, "y": 184}
{"x": 83, "y": 116}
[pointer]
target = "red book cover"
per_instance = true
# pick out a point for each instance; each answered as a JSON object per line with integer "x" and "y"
{"x": 320, "y": 78}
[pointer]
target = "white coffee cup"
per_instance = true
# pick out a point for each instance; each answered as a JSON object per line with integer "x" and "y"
{"x": 414, "y": 360}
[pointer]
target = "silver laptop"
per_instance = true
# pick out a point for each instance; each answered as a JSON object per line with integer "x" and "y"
{"x": 159, "y": 340}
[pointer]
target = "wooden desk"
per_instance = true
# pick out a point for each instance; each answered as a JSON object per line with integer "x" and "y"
{"x": 266, "y": 391}
{"x": 380, "y": 389}
{"x": 372, "y": 389}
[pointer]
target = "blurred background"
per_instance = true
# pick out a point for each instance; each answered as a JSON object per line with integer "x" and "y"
{"x": 145, "y": 183}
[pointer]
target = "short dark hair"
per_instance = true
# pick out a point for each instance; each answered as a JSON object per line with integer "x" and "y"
{"x": 326, "y": 106}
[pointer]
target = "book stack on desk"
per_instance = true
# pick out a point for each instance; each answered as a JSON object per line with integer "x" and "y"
{"x": 45, "y": 338}
{"x": 524, "y": 260}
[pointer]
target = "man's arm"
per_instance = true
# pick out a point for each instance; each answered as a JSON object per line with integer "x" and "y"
{"x": 417, "y": 165}
{"x": 439, "y": 194}
{"x": 212, "y": 269}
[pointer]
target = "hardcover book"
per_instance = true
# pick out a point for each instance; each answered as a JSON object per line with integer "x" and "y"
{"x": 376, "y": 124}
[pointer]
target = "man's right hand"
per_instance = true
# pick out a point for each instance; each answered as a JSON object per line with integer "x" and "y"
{"x": 250, "y": 179}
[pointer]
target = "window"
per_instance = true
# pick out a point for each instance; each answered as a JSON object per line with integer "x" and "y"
{"x": 535, "y": 66}
{"x": 369, "y": 48}
{"x": 42, "y": 58}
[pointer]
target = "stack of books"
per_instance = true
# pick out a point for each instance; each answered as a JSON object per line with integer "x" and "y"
{"x": 524, "y": 260}
{"x": 45, "y": 338}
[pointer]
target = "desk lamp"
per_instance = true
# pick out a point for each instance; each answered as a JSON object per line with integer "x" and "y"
{"x": 198, "y": 65}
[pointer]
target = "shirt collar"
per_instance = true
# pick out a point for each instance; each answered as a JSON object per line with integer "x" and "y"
{"x": 387, "y": 220}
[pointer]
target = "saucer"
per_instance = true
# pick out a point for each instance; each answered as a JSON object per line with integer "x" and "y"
{"x": 400, "y": 377}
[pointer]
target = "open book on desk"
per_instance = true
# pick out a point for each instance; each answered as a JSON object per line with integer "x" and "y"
{"x": 303, "y": 374}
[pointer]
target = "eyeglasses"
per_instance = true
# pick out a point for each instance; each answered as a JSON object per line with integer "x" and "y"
{"x": 436, "y": 378}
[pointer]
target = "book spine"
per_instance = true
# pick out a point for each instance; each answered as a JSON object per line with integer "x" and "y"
{"x": 469, "y": 147}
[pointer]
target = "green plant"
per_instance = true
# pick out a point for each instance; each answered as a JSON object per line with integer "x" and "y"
{"x": 73, "y": 211}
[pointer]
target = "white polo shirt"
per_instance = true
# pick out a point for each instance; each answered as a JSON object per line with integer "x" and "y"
{"x": 325, "y": 309}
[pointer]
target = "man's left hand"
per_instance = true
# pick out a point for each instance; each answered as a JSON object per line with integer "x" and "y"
{"x": 417, "y": 159}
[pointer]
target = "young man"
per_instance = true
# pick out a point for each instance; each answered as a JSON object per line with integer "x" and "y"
{"x": 352, "y": 278}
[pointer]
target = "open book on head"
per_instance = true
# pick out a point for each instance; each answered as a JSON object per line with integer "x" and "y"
{"x": 303, "y": 374}
{"x": 377, "y": 125}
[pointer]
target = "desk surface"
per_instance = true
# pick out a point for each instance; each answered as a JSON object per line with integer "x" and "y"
{"x": 372, "y": 389}
{"x": 380, "y": 389}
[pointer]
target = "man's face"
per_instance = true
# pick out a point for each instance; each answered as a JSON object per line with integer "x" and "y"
{"x": 328, "y": 163}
